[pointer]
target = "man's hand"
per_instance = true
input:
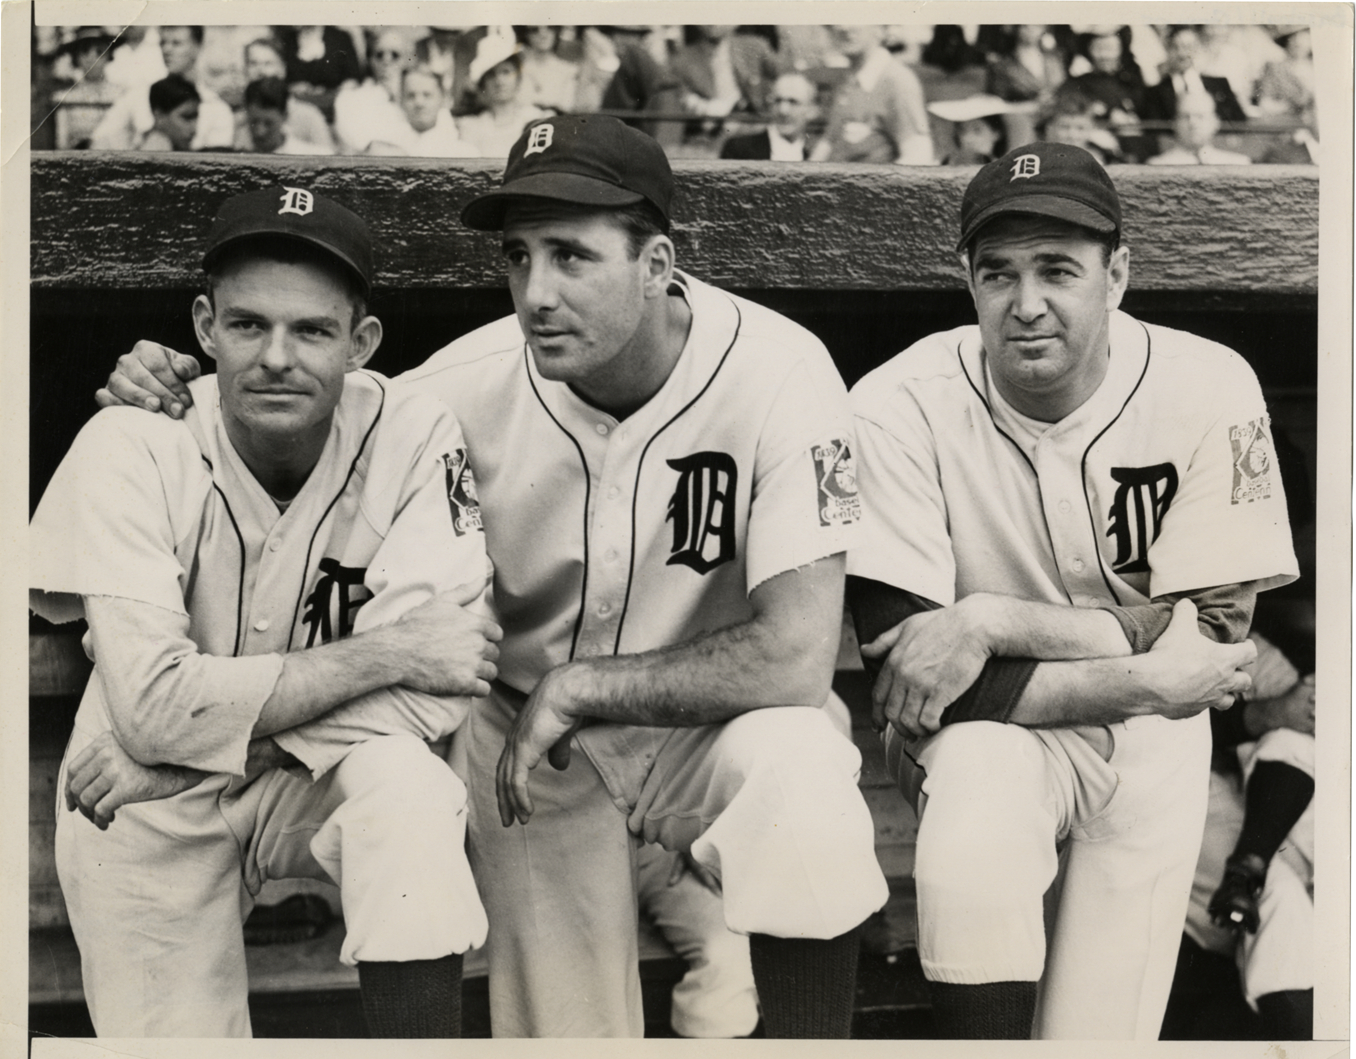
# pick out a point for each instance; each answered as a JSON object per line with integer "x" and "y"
{"x": 444, "y": 648}
{"x": 1294, "y": 709}
{"x": 544, "y": 727}
{"x": 930, "y": 659}
{"x": 103, "y": 777}
{"x": 1186, "y": 673}
{"x": 153, "y": 377}
{"x": 686, "y": 864}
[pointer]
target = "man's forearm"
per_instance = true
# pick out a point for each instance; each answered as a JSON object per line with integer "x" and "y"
{"x": 1019, "y": 628}
{"x": 314, "y": 681}
{"x": 1088, "y": 691}
{"x": 705, "y": 681}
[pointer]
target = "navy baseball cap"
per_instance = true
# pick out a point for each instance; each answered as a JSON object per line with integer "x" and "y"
{"x": 294, "y": 213}
{"x": 589, "y": 160}
{"x": 1049, "y": 179}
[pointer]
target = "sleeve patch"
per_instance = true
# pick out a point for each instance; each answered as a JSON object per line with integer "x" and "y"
{"x": 836, "y": 478}
{"x": 1253, "y": 461}
{"x": 461, "y": 493}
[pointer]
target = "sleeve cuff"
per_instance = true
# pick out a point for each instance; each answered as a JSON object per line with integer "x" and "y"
{"x": 995, "y": 694}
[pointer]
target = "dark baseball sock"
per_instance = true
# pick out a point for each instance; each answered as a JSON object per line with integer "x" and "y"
{"x": 1276, "y": 798}
{"x": 1287, "y": 1015}
{"x": 989, "y": 1011}
{"x": 805, "y": 985}
{"x": 412, "y": 998}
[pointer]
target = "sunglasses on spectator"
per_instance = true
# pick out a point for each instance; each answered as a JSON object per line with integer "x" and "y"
{"x": 790, "y": 99}
{"x": 382, "y": 53}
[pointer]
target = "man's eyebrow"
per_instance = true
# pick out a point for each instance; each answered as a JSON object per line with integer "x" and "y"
{"x": 556, "y": 242}
{"x": 997, "y": 259}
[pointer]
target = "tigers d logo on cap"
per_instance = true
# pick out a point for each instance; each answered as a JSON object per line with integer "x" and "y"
{"x": 584, "y": 159}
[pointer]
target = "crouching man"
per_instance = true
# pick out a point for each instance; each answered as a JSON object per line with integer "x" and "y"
{"x": 284, "y": 597}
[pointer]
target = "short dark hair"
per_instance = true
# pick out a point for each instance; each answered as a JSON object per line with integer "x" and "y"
{"x": 271, "y": 43}
{"x": 267, "y": 92}
{"x": 193, "y": 31}
{"x": 1071, "y": 99}
{"x": 641, "y": 221}
{"x": 172, "y": 92}
{"x": 286, "y": 251}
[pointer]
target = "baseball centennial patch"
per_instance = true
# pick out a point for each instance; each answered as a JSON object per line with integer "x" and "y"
{"x": 836, "y": 476}
{"x": 461, "y": 493}
{"x": 1253, "y": 459}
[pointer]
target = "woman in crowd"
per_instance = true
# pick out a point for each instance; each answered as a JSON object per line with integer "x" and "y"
{"x": 549, "y": 81}
{"x": 497, "y": 73}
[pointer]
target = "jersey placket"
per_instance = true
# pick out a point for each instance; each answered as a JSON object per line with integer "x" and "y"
{"x": 1066, "y": 514}
{"x": 607, "y": 448}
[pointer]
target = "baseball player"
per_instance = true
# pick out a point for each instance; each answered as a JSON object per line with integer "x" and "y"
{"x": 1058, "y": 503}
{"x": 665, "y": 474}
{"x": 282, "y": 592}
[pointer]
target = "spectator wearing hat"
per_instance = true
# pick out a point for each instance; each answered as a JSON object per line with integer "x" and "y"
{"x": 784, "y": 139}
{"x": 130, "y": 119}
{"x": 549, "y": 81}
{"x": 1194, "y": 131}
{"x": 497, "y": 74}
{"x": 429, "y": 131}
{"x": 174, "y": 103}
{"x": 267, "y": 107}
{"x": 305, "y": 123}
{"x": 877, "y": 114}
{"x": 1114, "y": 85}
{"x": 368, "y": 111}
{"x": 81, "y": 106}
{"x": 977, "y": 128}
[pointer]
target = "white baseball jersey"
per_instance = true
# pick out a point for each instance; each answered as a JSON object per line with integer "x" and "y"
{"x": 739, "y": 468}
{"x": 166, "y": 513}
{"x": 1163, "y": 481}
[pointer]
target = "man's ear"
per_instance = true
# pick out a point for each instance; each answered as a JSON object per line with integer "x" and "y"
{"x": 366, "y": 338}
{"x": 1118, "y": 277}
{"x": 203, "y": 317}
{"x": 658, "y": 256}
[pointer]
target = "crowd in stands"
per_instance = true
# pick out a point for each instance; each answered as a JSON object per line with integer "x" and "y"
{"x": 914, "y": 95}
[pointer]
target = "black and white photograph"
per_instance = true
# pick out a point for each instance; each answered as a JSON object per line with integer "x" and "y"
{"x": 830, "y": 525}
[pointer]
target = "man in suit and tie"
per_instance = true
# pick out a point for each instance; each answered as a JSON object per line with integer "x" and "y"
{"x": 1180, "y": 77}
{"x": 793, "y": 107}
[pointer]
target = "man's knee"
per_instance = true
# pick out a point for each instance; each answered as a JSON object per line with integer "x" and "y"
{"x": 398, "y": 768}
{"x": 786, "y": 738}
{"x": 984, "y": 761}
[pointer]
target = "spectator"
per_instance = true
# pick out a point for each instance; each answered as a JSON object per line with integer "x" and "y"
{"x": 1252, "y": 898}
{"x": 449, "y": 52}
{"x": 267, "y": 113}
{"x": 1073, "y": 120}
{"x": 129, "y": 119}
{"x": 620, "y": 73}
{"x": 977, "y": 129}
{"x": 497, "y": 73}
{"x": 877, "y": 113}
{"x": 549, "y": 81}
{"x": 1116, "y": 88}
{"x": 1224, "y": 54}
{"x": 429, "y": 131}
{"x": 1194, "y": 130}
{"x": 1028, "y": 71}
{"x": 81, "y": 106}
{"x": 320, "y": 60}
{"x": 174, "y": 108}
{"x": 366, "y": 112}
{"x": 803, "y": 48}
{"x": 305, "y": 123}
{"x": 784, "y": 140}
{"x": 1181, "y": 76}
{"x": 1286, "y": 88}
{"x": 723, "y": 72}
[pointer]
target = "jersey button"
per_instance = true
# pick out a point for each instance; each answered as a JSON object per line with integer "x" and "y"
{"x": 274, "y": 544}
{"x": 610, "y": 555}
{"x": 604, "y": 609}
{"x": 261, "y": 625}
{"x": 613, "y": 493}
{"x": 601, "y": 428}
{"x": 1078, "y": 565}
{"x": 1065, "y": 506}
